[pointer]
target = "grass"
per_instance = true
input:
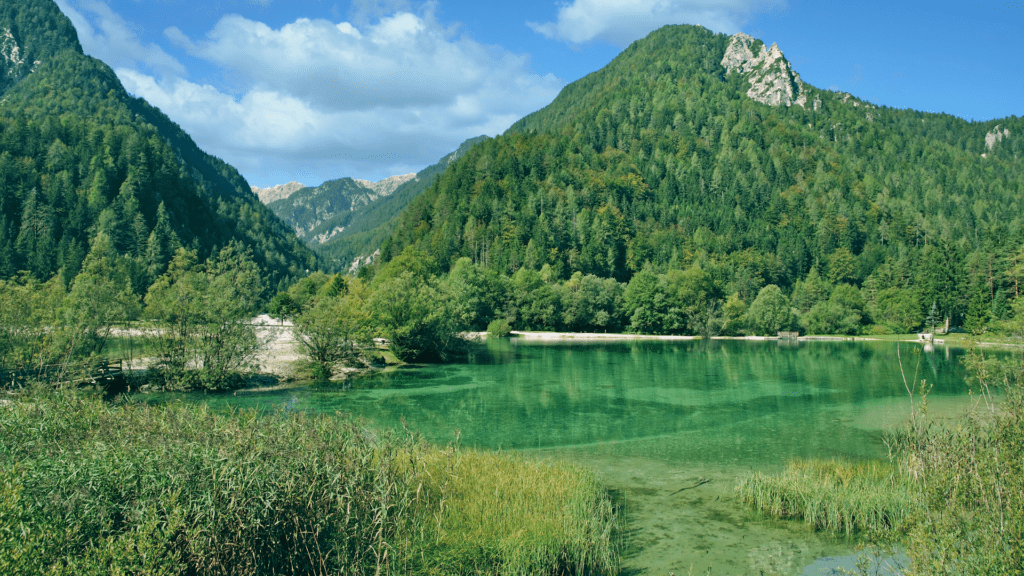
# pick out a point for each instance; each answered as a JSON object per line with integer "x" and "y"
{"x": 87, "y": 487}
{"x": 953, "y": 500}
{"x": 836, "y": 495}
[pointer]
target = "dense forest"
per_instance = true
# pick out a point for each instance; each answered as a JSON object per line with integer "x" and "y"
{"x": 79, "y": 157}
{"x": 660, "y": 165}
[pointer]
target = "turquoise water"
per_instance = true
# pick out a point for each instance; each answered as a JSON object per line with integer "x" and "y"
{"x": 655, "y": 416}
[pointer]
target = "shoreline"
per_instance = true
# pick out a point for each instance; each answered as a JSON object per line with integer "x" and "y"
{"x": 597, "y": 336}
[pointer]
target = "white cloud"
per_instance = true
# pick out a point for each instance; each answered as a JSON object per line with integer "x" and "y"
{"x": 338, "y": 100}
{"x": 105, "y": 35}
{"x": 620, "y": 22}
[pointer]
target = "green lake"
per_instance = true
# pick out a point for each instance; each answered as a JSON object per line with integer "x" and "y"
{"x": 651, "y": 417}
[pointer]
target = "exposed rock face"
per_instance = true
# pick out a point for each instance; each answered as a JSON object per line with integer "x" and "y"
{"x": 995, "y": 136}
{"x": 13, "y": 67}
{"x": 772, "y": 81}
{"x": 388, "y": 185}
{"x": 268, "y": 195}
{"x": 361, "y": 261}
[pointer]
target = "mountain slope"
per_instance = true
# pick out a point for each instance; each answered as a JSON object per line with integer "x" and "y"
{"x": 699, "y": 148}
{"x": 78, "y": 155}
{"x": 355, "y": 245}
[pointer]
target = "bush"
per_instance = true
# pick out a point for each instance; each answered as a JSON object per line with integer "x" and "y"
{"x": 91, "y": 488}
{"x": 499, "y": 328}
{"x": 971, "y": 479}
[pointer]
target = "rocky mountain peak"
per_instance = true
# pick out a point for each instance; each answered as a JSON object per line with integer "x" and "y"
{"x": 268, "y": 195}
{"x": 772, "y": 80}
{"x": 388, "y": 185}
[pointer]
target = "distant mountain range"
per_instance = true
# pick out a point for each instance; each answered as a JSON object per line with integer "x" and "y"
{"x": 345, "y": 220}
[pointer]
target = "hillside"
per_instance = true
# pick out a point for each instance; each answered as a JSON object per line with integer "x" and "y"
{"x": 700, "y": 149}
{"x": 79, "y": 156}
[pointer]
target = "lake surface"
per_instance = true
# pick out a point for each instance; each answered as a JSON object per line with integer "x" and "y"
{"x": 652, "y": 417}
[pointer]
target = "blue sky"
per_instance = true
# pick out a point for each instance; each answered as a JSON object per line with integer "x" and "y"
{"x": 312, "y": 90}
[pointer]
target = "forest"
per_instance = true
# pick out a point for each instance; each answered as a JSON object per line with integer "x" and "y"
{"x": 659, "y": 164}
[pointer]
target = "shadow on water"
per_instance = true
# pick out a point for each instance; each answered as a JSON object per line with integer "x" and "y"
{"x": 651, "y": 417}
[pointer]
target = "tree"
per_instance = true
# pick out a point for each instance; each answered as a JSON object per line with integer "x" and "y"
{"x": 933, "y": 317}
{"x": 282, "y": 307}
{"x": 421, "y": 318}
{"x": 101, "y": 297}
{"x": 334, "y": 330}
{"x": 769, "y": 313}
{"x": 899, "y": 309}
{"x": 205, "y": 339}
{"x": 734, "y": 315}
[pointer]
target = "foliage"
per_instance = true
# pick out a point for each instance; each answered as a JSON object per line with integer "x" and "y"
{"x": 971, "y": 478}
{"x": 499, "y": 328}
{"x": 899, "y": 309}
{"x": 660, "y": 161}
{"x": 421, "y": 318}
{"x": 769, "y": 312}
{"x": 334, "y": 330}
{"x": 87, "y": 487}
{"x": 203, "y": 335}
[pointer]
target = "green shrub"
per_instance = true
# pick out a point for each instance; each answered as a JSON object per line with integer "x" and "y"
{"x": 499, "y": 328}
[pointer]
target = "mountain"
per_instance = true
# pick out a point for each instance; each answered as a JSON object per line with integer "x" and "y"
{"x": 80, "y": 156}
{"x": 346, "y": 219}
{"x": 699, "y": 149}
{"x": 281, "y": 191}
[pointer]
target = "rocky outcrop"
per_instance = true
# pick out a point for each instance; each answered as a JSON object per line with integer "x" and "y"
{"x": 388, "y": 185}
{"x": 995, "y": 136}
{"x": 279, "y": 192}
{"x": 13, "y": 66}
{"x": 772, "y": 80}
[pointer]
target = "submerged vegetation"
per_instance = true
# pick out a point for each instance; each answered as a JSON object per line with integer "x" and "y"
{"x": 953, "y": 496}
{"x": 88, "y": 487}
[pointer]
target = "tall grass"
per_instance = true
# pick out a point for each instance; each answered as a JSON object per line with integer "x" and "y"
{"x": 953, "y": 497}
{"x": 836, "y": 495}
{"x": 92, "y": 488}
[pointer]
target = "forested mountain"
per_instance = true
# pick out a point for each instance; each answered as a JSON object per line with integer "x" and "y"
{"x": 707, "y": 153}
{"x": 79, "y": 156}
{"x": 347, "y": 219}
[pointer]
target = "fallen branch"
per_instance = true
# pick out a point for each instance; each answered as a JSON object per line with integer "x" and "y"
{"x": 700, "y": 482}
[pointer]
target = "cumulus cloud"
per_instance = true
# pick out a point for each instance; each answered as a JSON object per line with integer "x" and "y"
{"x": 105, "y": 35}
{"x": 620, "y": 22}
{"x": 340, "y": 100}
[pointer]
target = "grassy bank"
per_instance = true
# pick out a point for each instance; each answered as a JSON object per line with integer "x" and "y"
{"x": 92, "y": 488}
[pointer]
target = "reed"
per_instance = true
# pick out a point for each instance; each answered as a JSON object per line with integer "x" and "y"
{"x": 836, "y": 495}
{"x": 87, "y": 487}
